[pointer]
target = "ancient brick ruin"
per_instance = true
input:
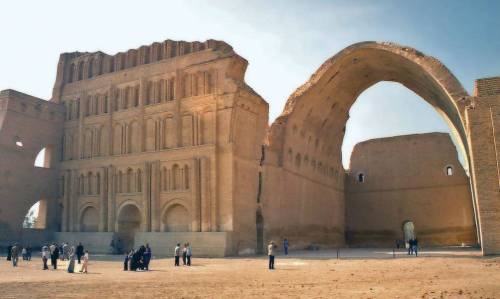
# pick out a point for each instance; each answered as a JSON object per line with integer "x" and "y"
{"x": 167, "y": 143}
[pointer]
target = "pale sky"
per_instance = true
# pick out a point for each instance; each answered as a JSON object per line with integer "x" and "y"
{"x": 284, "y": 42}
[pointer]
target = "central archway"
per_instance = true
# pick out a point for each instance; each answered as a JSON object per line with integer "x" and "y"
{"x": 128, "y": 223}
{"x": 305, "y": 141}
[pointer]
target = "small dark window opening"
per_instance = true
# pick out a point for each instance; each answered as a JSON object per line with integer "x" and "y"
{"x": 361, "y": 178}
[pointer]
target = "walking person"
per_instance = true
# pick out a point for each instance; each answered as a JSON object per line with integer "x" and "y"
{"x": 24, "y": 254}
{"x": 28, "y": 253}
{"x": 189, "y": 253}
{"x": 79, "y": 252}
{"x": 177, "y": 254}
{"x": 270, "y": 253}
{"x": 15, "y": 254}
{"x": 54, "y": 255}
{"x": 85, "y": 262}
{"x": 285, "y": 246}
{"x": 45, "y": 257}
{"x": 184, "y": 254}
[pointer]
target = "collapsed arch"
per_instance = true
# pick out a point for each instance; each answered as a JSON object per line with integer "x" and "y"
{"x": 313, "y": 122}
{"x": 336, "y": 85}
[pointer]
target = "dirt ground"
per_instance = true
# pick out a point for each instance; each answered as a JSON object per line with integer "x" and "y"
{"x": 295, "y": 277}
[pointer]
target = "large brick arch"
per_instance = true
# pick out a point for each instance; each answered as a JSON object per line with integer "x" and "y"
{"x": 343, "y": 77}
{"x": 305, "y": 177}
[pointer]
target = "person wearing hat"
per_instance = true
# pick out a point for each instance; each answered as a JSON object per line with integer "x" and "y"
{"x": 270, "y": 253}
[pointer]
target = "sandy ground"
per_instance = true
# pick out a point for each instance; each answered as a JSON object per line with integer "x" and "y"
{"x": 302, "y": 275}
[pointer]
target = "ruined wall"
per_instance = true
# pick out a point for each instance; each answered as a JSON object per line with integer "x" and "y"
{"x": 153, "y": 134}
{"x": 167, "y": 138}
{"x": 27, "y": 125}
{"x": 303, "y": 182}
{"x": 414, "y": 178}
{"x": 483, "y": 123}
{"x": 303, "y": 189}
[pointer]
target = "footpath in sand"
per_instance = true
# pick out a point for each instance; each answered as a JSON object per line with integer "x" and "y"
{"x": 358, "y": 274}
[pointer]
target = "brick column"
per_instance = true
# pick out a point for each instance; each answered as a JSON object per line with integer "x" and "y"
{"x": 72, "y": 227}
{"x": 196, "y": 195}
{"x": 155, "y": 196}
{"x": 205, "y": 200}
{"x": 103, "y": 208}
{"x": 67, "y": 201}
{"x": 484, "y": 141}
{"x": 111, "y": 198}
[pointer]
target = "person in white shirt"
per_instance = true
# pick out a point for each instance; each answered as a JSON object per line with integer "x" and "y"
{"x": 177, "y": 253}
{"x": 45, "y": 257}
{"x": 270, "y": 253}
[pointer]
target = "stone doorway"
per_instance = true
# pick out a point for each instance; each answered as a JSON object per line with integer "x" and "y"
{"x": 408, "y": 232}
{"x": 129, "y": 222}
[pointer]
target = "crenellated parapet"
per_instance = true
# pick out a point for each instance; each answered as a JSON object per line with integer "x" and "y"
{"x": 485, "y": 87}
{"x": 78, "y": 66}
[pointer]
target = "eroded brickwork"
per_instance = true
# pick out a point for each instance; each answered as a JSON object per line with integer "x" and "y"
{"x": 167, "y": 141}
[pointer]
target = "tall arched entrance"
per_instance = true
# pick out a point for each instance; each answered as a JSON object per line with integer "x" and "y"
{"x": 128, "y": 223}
{"x": 408, "y": 232}
{"x": 305, "y": 140}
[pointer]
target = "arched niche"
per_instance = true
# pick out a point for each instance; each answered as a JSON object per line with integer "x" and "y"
{"x": 89, "y": 219}
{"x": 176, "y": 218}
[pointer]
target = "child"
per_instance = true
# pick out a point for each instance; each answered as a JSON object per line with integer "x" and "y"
{"x": 85, "y": 262}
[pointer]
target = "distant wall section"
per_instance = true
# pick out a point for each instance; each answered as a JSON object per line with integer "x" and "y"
{"x": 415, "y": 178}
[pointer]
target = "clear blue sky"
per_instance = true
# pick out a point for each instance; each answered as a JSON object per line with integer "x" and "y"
{"x": 284, "y": 41}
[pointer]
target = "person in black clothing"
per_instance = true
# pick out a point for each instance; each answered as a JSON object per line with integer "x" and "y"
{"x": 28, "y": 253}
{"x": 415, "y": 246}
{"x": 79, "y": 252}
{"x": 410, "y": 246}
{"x": 9, "y": 252}
{"x": 140, "y": 258}
{"x": 54, "y": 255}
{"x": 147, "y": 257}
{"x": 136, "y": 260}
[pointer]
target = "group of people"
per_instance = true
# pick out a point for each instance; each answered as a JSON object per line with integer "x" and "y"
{"x": 186, "y": 252}
{"x": 134, "y": 260}
{"x": 138, "y": 259}
{"x": 13, "y": 252}
{"x": 54, "y": 252}
{"x": 65, "y": 252}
